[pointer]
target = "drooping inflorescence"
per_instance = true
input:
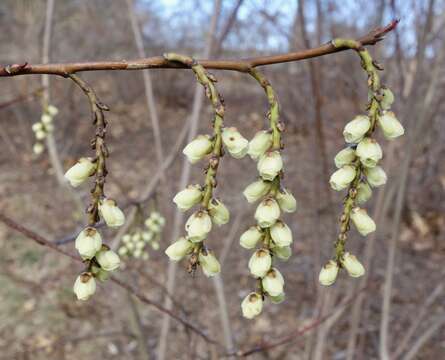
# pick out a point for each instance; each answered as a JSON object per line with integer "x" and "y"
{"x": 43, "y": 127}
{"x": 212, "y": 210}
{"x": 270, "y": 237}
{"x": 142, "y": 236}
{"x": 358, "y": 169}
{"x": 98, "y": 258}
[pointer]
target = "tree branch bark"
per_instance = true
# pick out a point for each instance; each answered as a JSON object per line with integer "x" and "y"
{"x": 159, "y": 62}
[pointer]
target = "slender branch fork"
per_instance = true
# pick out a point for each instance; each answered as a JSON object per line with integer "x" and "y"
{"x": 159, "y": 62}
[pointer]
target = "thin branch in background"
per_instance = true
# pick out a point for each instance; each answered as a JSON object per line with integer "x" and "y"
{"x": 151, "y": 104}
{"x": 425, "y": 337}
{"x": 51, "y": 144}
{"x": 123, "y": 284}
{"x": 415, "y": 323}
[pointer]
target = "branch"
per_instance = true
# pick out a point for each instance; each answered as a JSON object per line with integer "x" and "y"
{"x": 159, "y": 62}
{"x": 124, "y": 285}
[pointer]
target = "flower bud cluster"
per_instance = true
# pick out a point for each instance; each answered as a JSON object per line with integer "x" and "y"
{"x": 137, "y": 242}
{"x": 358, "y": 169}
{"x": 211, "y": 210}
{"x": 98, "y": 258}
{"x": 43, "y": 127}
{"x": 270, "y": 237}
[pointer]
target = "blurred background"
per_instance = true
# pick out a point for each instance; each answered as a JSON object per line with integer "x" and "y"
{"x": 396, "y": 312}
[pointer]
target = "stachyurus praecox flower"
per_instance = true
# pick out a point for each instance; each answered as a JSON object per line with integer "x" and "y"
{"x": 358, "y": 169}
{"x": 271, "y": 235}
{"x": 81, "y": 171}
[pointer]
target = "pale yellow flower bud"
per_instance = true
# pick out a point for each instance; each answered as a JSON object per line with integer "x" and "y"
{"x": 198, "y": 148}
{"x": 286, "y": 201}
{"x": 38, "y": 148}
{"x": 250, "y": 238}
{"x": 78, "y": 173}
{"x": 260, "y": 263}
{"x": 352, "y": 265}
{"x": 375, "y": 176}
{"x": 84, "y": 286}
{"x": 344, "y": 157}
{"x": 38, "y": 126}
{"x": 110, "y": 212}
{"x": 364, "y": 193}
{"x": 40, "y": 135}
{"x": 252, "y": 305}
{"x": 46, "y": 119}
{"x": 52, "y": 110}
{"x": 356, "y": 129}
{"x": 267, "y": 213}
{"x": 256, "y": 190}
{"x": 283, "y": 252}
{"x": 390, "y": 126}
{"x": 328, "y": 273}
{"x": 189, "y": 197}
{"x": 179, "y": 249}
{"x": 235, "y": 143}
{"x": 218, "y": 212}
{"x": 269, "y": 165}
{"x": 273, "y": 282}
{"x": 281, "y": 234}
{"x": 260, "y": 143}
{"x": 209, "y": 263}
{"x": 362, "y": 221}
{"x": 198, "y": 226}
{"x": 369, "y": 152}
{"x": 387, "y": 99}
{"x": 108, "y": 260}
{"x": 341, "y": 178}
{"x": 88, "y": 243}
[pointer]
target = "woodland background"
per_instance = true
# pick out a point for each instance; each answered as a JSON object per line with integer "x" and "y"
{"x": 397, "y": 312}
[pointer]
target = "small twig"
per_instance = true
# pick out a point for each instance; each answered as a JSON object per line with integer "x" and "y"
{"x": 438, "y": 290}
{"x": 432, "y": 328}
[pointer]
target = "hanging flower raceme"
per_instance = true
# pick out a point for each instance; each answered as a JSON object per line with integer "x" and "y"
{"x": 98, "y": 258}
{"x": 44, "y": 127}
{"x": 144, "y": 235}
{"x": 271, "y": 237}
{"x": 211, "y": 211}
{"x": 358, "y": 169}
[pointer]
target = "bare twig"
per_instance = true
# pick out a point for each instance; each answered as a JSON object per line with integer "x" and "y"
{"x": 243, "y": 65}
{"x": 424, "y": 309}
{"x": 51, "y": 144}
{"x": 421, "y": 340}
